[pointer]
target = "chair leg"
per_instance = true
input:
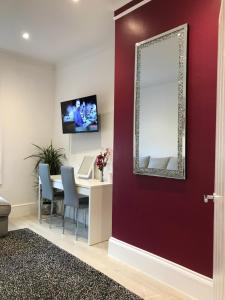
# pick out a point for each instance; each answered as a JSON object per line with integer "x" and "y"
{"x": 62, "y": 207}
{"x": 74, "y": 216}
{"x": 50, "y": 223}
{"x": 41, "y": 208}
{"x": 85, "y": 218}
{"x": 63, "y": 218}
{"x": 76, "y": 228}
{"x": 62, "y": 210}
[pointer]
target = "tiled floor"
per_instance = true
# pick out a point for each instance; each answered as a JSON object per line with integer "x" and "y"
{"x": 97, "y": 257}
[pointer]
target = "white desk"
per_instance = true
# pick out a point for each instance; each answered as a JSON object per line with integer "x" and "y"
{"x": 100, "y": 206}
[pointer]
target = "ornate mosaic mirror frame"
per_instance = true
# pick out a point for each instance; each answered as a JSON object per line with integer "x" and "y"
{"x": 181, "y": 33}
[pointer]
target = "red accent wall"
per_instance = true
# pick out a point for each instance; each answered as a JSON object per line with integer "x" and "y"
{"x": 164, "y": 216}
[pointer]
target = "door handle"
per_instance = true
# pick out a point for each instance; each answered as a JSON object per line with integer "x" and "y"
{"x": 212, "y": 197}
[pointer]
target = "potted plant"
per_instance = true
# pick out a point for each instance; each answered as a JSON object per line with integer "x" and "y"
{"x": 51, "y": 156}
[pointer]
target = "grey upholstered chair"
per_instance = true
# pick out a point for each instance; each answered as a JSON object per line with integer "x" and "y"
{"x": 47, "y": 191}
{"x": 5, "y": 208}
{"x": 71, "y": 197}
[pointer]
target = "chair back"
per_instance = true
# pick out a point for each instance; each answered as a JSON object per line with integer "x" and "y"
{"x": 46, "y": 183}
{"x": 69, "y": 187}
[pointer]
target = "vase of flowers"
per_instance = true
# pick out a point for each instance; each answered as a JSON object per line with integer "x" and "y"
{"x": 101, "y": 162}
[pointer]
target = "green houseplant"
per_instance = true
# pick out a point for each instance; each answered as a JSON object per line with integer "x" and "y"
{"x": 49, "y": 155}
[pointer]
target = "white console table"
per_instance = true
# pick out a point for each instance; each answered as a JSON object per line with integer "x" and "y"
{"x": 100, "y": 206}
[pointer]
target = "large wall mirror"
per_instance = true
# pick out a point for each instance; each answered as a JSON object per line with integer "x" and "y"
{"x": 160, "y": 105}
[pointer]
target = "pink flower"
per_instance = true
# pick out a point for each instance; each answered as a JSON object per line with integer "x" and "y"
{"x": 102, "y": 159}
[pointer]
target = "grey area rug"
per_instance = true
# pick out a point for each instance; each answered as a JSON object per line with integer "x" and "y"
{"x": 33, "y": 268}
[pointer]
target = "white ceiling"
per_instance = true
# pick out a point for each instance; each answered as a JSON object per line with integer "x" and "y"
{"x": 58, "y": 28}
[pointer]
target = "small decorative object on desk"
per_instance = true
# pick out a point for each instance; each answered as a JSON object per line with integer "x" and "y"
{"x": 101, "y": 161}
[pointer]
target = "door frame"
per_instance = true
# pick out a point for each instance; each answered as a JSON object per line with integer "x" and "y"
{"x": 219, "y": 205}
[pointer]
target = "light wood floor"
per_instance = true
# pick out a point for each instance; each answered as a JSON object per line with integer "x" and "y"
{"x": 97, "y": 257}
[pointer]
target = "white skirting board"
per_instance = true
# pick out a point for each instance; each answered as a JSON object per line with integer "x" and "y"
{"x": 23, "y": 210}
{"x": 186, "y": 281}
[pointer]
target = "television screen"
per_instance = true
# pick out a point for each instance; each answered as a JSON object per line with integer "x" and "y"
{"x": 80, "y": 115}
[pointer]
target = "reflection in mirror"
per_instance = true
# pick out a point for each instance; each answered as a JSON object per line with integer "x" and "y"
{"x": 160, "y": 105}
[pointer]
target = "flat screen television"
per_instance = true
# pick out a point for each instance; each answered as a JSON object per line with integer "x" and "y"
{"x": 80, "y": 115}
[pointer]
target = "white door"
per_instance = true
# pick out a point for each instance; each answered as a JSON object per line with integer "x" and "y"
{"x": 219, "y": 202}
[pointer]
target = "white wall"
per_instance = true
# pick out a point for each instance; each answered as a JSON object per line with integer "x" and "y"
{"x": 30, "y": 114}
{"x": 92, "y": 73}
{"x": 26, "y": 105}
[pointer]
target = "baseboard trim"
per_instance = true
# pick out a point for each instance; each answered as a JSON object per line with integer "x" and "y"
{"x": 23, "y": 210}
{"x": 178, "y": 277}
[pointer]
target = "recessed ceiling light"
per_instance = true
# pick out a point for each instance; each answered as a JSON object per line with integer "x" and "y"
{"x": 26, "y": 36}
{"x": 75, "y": 1}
